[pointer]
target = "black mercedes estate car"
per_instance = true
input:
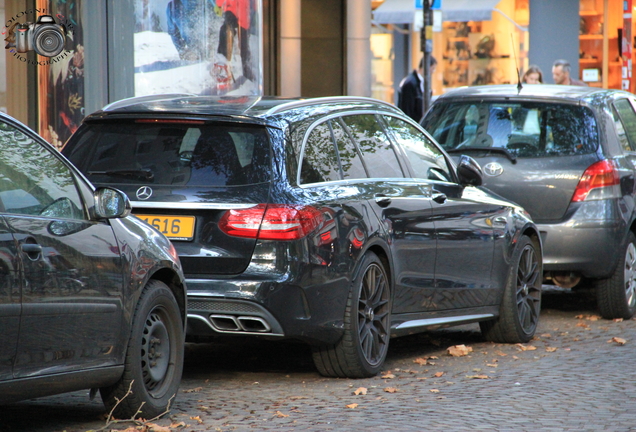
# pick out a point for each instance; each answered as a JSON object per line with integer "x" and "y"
{"x": 336, "y": 221}
{"x": 90, "y": 297}
{"x": 567, "y": 154}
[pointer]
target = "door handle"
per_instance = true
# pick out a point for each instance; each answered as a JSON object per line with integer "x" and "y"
{"x": 439, "y": 197}
{"x": 32, "y": 250}
{"x": 382, "y": 200}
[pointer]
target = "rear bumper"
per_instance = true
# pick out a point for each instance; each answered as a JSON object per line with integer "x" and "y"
{"x": 590, "y": 242}
{"x": 270, "y": 309}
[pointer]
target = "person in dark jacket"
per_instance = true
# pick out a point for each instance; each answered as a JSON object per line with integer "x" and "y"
{"x": 410, "y": 94}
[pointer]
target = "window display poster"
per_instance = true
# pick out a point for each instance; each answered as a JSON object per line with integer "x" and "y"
{"x": 61, "y": 77}
{"x": 205, "y": 47}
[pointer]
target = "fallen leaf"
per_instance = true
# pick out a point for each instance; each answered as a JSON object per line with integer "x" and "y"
{"x": 582, "y": 324}
{"x": 178, "y": 425}
{"x": 434, "y": 391}
{"x": 352, "y": 406}
{"x": 546, "y": 335}
{"x": 438, "y": 374}
{"x": 193, "y": 390}
{"x": 523, "y": 347}
{"x": 297, "y": 397}
{"x": 459, "y": 350}
{"x": 197, "y": 418}
{"x": 501, "y": 354}
{"x": 360, "y": 391}
{"x": 433, "y": 357}
{"x": 281, "y": 415}
{"x": 481, "y": 376}
{"x": 618, "y": 319}
{"x": 420, "y": 361}
{"x": 617, "y": 340}
{"x": 388, "y": 375}
{"x": 391, "y": 390}
{"x": 492, "y": 365}
{"x": 152, "y": 427}
{"x": 551, "y": 349}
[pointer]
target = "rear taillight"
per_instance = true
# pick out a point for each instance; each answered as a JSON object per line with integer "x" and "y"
{"x": 271, "y": 222}
{"x": 602, "y": 174}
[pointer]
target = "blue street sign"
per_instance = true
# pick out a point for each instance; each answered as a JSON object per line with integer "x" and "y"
{"x": 437, "y": 4}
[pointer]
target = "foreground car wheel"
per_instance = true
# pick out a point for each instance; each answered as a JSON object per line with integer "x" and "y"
{"x": 154, "y": 359}
{"x": 362, "y": 350}
{"x": 521, "y": 302}
{"x": 616, "y": 296}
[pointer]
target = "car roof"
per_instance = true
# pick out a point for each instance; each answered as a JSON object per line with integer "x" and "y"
{"x": 259, "y": 109}
{"x": 531, "y": 91}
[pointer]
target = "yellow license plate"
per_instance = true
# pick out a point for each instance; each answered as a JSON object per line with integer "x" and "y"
{"x": 173, "y": 227}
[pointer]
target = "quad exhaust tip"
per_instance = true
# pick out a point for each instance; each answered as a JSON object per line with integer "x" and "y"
{"x": 239, "y": 324}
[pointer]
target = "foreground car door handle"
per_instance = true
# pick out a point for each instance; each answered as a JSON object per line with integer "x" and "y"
{"x": 382, "y": 200}
{"x": 32, "y": 250}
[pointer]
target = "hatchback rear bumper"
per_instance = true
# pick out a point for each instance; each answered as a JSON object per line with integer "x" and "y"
{"x": 590, "y": 242}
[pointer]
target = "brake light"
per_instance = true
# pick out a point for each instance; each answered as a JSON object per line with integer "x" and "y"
{"x": 598, "y": 175}
{"x": 271, "y": 222}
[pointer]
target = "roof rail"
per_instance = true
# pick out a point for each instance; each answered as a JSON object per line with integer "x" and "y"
{"x": 313, "y": 101}
{"x": 140, "y": 99}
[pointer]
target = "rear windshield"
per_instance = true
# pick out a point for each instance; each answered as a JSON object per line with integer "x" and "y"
{"x": 171, "y": 153}
{"x": 522, "y": 129}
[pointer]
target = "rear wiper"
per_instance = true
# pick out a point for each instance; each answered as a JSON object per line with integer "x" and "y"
{"x": 144, "y": 174}
{"x": 503, "y": 151}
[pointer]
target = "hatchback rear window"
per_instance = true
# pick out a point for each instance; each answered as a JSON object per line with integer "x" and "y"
{"x": 172, "y": 153}
{"x": 522, "y": 129}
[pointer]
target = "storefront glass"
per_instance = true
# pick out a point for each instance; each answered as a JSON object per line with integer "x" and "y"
{"x": 197, "y": 46}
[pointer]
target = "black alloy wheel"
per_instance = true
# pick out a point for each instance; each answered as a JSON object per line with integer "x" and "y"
{"x": 363, "y": 348}
{"x": 521, "y": 303}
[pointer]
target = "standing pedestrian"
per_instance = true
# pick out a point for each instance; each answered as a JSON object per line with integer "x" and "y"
{"x": 411, "y": 91}
{"x": 561, "y": 74}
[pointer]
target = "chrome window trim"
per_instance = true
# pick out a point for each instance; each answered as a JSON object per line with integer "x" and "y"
{"x": 190, "y": 206}
{"x": 325, "y": 100}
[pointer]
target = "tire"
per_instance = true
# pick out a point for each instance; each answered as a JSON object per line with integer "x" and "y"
{"x": 616, "y": 295}
{"x": 361, "y": 351}
{"x": 521, "y": 301}
{"x": 153, "y": 379}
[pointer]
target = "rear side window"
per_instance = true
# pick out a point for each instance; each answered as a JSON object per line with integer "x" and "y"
{"x": 168, "y": 153}
{"x": 523, "y": 129}
{"x": 375, "y": 146}
{"x": 352, "y": 166}
{"x": 320, "y": 161}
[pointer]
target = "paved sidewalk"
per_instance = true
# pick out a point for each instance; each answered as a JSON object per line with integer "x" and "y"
{"x": 578, "y": 374}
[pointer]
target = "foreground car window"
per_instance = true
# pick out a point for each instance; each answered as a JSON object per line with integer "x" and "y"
{"x": 168, "y": 153}
{"x": 320, "y": 161}
{"x": 33, "y": 181}
{"x": 523, "y": 129}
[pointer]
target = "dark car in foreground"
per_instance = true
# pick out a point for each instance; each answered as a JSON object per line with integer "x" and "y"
{"x": 568, "y": 156}
{"x": 90, "y": 298}
{"x": 335, "y": 221}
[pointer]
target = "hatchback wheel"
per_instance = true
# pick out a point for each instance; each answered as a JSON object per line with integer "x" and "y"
{"x": 362, "y": 350}
{"x": 154, "y": 359}
{"x": 521, "y": 302}
{"x": 616, "y": 296}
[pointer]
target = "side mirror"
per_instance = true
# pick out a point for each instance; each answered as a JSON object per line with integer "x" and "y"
{"x": 111, "y": 203}
{"x": 469, "y": 171}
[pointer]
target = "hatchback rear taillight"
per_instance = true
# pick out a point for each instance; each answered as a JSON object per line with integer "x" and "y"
{"x": 271, "y": 222}
{"x": 595, "y": 181}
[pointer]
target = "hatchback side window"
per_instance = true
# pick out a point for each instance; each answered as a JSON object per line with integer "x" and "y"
{"x": 625, "y": 121}
{"x": 352, "y": 165}
{"x": 427, "y": 161}
{"x": 320, "y": 161}
{"x": 377, "y": 151}
{"x": 33, "y": 181}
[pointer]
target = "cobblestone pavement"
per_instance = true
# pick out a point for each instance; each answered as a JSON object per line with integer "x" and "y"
{"x": 576, "y": 376}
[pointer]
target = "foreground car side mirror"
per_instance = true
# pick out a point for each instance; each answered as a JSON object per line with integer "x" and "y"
{"x": 469, "y": 171}
{"x": 111, "y": 203}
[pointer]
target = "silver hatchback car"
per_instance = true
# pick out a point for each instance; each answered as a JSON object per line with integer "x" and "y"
{"x": 568, "y": 156}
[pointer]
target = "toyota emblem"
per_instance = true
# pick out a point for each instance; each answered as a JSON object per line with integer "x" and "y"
{"x": 493, "y": 169}
{"x": 144, "y": 192}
